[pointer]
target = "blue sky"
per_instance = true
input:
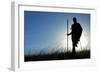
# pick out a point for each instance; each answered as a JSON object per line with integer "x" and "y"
{"x": 45, "y": 29}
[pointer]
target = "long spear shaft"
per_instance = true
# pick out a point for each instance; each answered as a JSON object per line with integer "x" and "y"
{"x": 67, "y": 33}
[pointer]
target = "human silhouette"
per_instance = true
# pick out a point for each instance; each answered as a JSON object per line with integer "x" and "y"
{"x": 76, "y": 31}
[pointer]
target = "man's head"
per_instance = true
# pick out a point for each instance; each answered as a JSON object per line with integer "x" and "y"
{"x": 74, "y": 20}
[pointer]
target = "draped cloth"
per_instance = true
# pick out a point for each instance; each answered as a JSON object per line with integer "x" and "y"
{"x": 76, "y": 33}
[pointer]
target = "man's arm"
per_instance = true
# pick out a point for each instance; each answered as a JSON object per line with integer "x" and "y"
{"x": 69, "y": 33}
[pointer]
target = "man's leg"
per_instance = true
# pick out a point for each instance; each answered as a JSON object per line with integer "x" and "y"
{"x": 73, "y": 49}
{"x": 73, "y": 44}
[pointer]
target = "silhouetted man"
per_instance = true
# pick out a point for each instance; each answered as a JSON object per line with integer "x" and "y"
{"x": 76, "y": 31}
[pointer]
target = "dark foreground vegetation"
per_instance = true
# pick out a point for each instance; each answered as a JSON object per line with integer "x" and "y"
{"x": 58, "y": 56}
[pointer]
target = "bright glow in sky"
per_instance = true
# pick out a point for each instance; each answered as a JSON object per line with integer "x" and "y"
{"x": 46, "y": 31}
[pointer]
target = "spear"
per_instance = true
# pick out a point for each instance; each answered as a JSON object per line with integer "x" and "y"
{"x": 67, "y": 33}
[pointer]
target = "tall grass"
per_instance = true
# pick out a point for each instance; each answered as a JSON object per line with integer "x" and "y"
{"x": 56, "y": 55}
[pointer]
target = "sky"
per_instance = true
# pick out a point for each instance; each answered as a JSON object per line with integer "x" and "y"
{"x": 46, "y": 31}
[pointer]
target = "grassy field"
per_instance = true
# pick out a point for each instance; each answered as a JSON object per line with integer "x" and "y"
{"x": 58, "y": 56}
